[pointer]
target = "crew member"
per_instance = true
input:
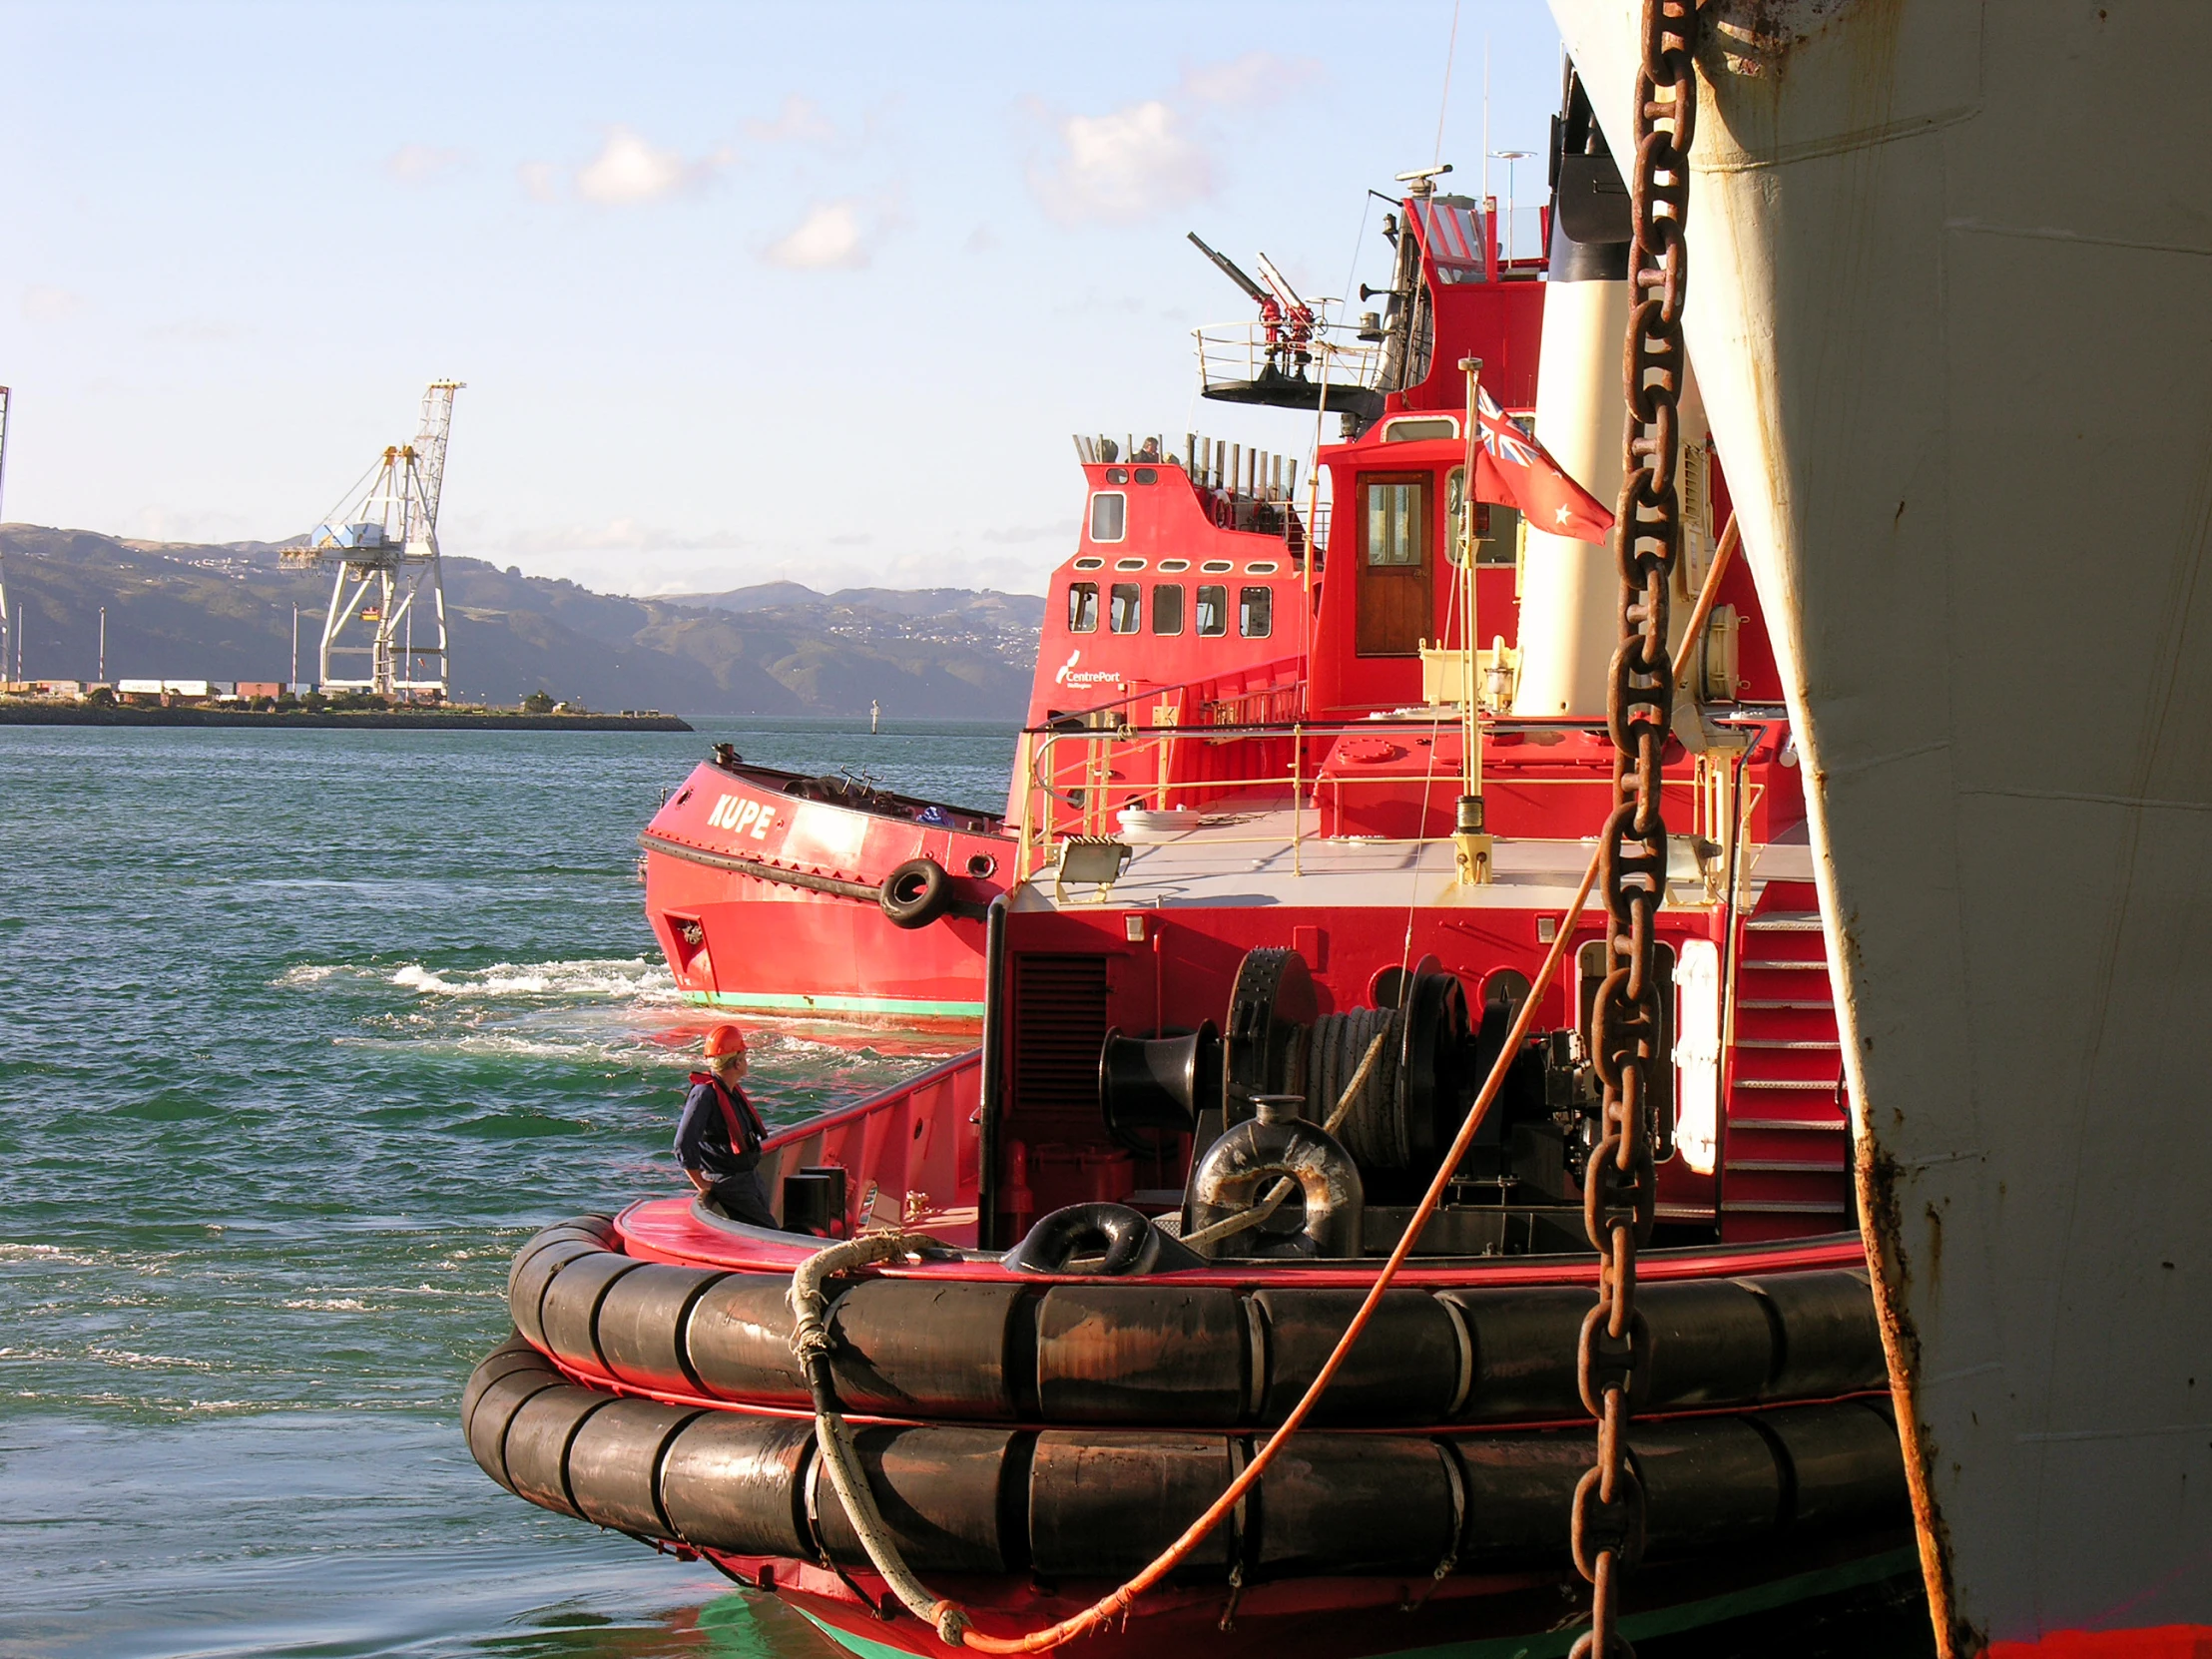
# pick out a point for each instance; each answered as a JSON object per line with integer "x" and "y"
{"x": 718, "y": 1139}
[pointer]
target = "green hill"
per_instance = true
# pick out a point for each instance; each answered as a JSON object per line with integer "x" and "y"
{"x": 225, "y": 612}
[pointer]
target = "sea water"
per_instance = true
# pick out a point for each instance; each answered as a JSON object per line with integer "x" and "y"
{"x": 300, "y": 1034}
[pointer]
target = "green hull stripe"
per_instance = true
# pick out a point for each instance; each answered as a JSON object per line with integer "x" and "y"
{"x": 786, "y": 1002}
{"x": 1551, "y": 1644}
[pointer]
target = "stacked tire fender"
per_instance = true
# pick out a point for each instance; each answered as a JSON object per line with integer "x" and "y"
{"x": 1072, "y": 1429}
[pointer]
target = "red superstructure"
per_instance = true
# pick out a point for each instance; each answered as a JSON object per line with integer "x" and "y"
{"x": 1299, "y": 820}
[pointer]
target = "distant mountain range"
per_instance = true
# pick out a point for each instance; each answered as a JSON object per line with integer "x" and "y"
{"x": 225, "y": 612}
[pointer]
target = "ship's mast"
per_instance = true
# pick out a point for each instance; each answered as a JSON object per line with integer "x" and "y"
{"x": 385, "y": 543}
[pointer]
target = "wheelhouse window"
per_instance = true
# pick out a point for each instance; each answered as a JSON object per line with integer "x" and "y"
{"x": 1125, "y": 608}
{"x": 1496, "y": 527}
{"x": 1167, "y": 606}
{"x": 1213, "y": 611}
{"x": 1082, "y": 607}
{"x": 1256, "y": 613}
{"x": 1109, "y": 515}
{"x": 1394, "y": 524}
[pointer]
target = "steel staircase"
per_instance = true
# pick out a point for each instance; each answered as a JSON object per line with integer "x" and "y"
{"x": 1786, "y": 1152}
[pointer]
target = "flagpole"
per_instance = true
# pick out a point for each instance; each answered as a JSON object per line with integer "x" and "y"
{"x": 1469, "y": 833}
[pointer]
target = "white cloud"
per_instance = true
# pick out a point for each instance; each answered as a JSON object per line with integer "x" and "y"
{"x": 630, "y": 170}
{"x": 43, "y": 302}
{"x": 799, "y": 121}
{"x": 829, "y": 237}
{"x": 1255, "y": 79}
{"x": 1129, "y": 165}
{"x": 418, "y": 164}
{"x": 627, "y": 170}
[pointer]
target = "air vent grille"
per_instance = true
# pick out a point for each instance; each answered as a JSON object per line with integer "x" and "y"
{"x": 1059, "y": 1027}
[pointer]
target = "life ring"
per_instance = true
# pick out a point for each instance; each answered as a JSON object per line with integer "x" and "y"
{"x": 916, "y": 893}
{"x": 1064, "y": 1241}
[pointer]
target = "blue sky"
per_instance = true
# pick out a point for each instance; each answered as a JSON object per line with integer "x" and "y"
{"x": 740, "y": 293}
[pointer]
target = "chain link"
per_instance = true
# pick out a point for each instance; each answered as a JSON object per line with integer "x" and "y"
{"x": 1627, "y": 1021}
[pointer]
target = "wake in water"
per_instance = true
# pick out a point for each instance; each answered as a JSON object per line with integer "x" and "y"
{"x": 636, "y": 980}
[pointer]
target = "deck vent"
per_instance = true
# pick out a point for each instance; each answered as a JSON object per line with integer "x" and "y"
{"x": 1059, "y": 1028}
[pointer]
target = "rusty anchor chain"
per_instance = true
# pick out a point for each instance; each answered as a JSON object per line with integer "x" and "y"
{"x": 1619, "y": 1194}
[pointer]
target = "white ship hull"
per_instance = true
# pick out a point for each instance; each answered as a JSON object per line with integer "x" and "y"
{"x": 1950, "y": 277}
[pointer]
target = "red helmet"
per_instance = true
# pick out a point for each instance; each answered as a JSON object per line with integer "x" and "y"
{"x": 725, "y": 1039}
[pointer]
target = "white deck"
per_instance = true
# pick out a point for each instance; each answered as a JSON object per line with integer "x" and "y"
{"x": 1248, "y": 860}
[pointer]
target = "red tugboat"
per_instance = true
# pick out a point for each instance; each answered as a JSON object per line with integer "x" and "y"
{"x": 1195, "y": 579}
{"x": 1235, "y": 1295}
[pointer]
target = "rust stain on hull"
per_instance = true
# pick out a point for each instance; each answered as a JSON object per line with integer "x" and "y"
{"x": 1876, "y": 1176}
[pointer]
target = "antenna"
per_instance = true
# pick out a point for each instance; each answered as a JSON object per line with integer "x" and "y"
{"x": 387, "y": 540}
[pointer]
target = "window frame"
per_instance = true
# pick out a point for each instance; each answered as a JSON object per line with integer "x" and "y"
{"x": 1077, "y": 593}
{"x": 1264, "y": 594}
{"x": 1221, "y": 604}
{"x": 1181, "y": 610}
{"x": 1116, "y": 594}
{"x": 1120, "y": 498}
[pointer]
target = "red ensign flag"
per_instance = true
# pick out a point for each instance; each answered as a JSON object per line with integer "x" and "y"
{"x": 1513, "y": 469}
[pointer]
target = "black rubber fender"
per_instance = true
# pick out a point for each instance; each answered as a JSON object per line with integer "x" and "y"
{"x": 1109, "y": 1352}
{"x": 568, "y": 1313}
{"x": 638, "y": 1332}
{"x": 1411, "y": 1365}
{"x": 597, "y": 1231}
{"x": 737, "y": 1342}
{"x": 1106, "y": 1241}
{"x": 1099, "y": 1502}
{"x": 1103, "y": 1503}
{"x": 614, "y": 1464}
{"x": 527, "y": 1290}
{"x": 495, "y": 1409}
{"x": 733, "y": 1482}
{"x": 537, "y": 1443}
{"x": 925, "y": 1349}
{"x": 940, "y": 1494}
{"x": 915, "y": 893}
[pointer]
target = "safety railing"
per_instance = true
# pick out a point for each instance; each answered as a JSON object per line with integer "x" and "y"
{"x": 1236, "y": 745}
{"x": 911, "y": 1154}
{"x": 1246, "y": 357}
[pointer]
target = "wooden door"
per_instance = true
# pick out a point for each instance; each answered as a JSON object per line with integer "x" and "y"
{"x": 1393, "y": 580}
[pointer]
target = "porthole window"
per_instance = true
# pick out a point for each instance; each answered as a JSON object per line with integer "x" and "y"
{"x": 1125, "y": 608}
{"x": 1109, "y": 516}
{"x": 1215, "y": 567}
{"x": 1256, "y": 613}
{"x": 1147, "y": 475}
{"x": 1213, "y": 611}
{"x": 1261, "y": 567}
{"x": 1090, "y": 564}
{"x": 1082, "y": 607}
{"x": 1129, "y": 564}
{"x": 1117, "y": 475}
{"x": 1175, "y": 564}
{"x": 1167, "y": 606}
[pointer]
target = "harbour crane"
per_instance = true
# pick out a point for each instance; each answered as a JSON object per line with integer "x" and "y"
{"x": 382, "y": 537}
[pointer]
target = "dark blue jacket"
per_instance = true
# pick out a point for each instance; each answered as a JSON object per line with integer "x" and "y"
{"x": 702, "y": 1134}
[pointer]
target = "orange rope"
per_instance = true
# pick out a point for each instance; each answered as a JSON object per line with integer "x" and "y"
{"x": 1040, "y": 1641}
